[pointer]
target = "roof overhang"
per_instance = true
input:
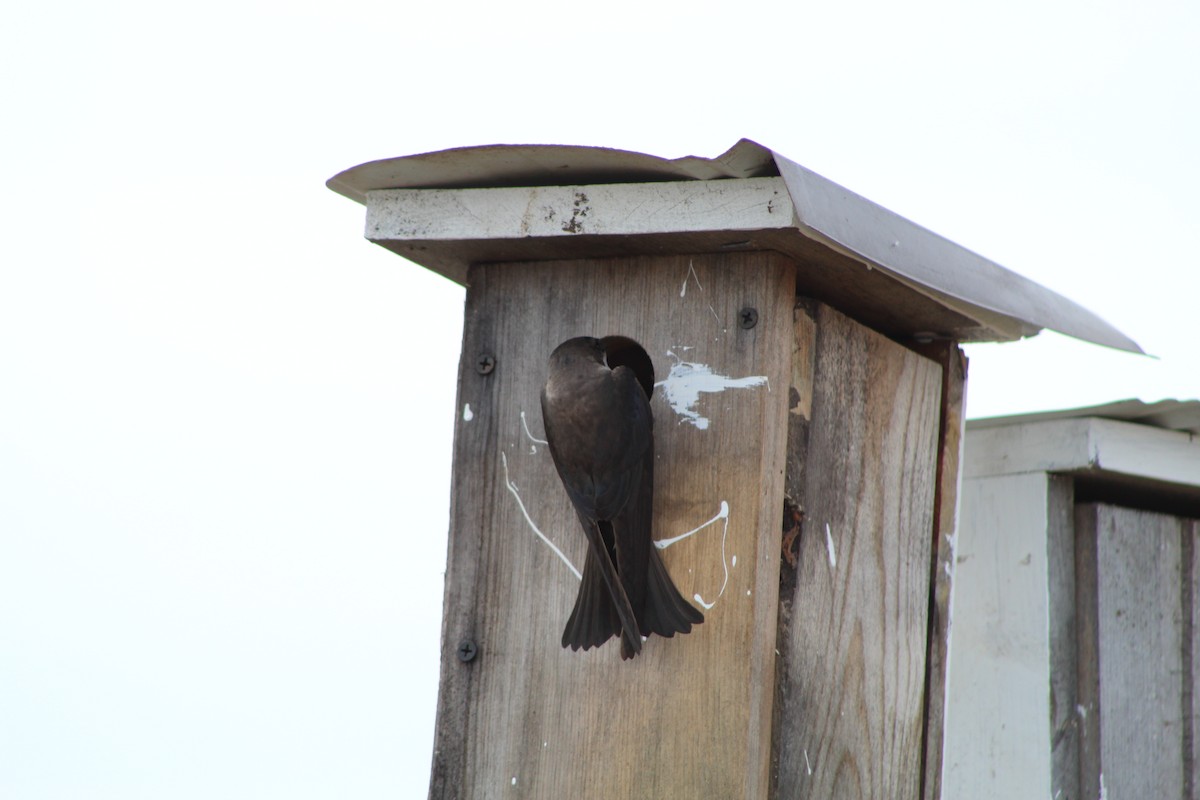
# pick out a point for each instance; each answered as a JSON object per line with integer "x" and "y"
{"x": 1144, "y": 455}
{"x": 1169, "y": 415}
{"x": 498, "y": 203}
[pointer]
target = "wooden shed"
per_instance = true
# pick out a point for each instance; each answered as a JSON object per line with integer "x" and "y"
{"x": 808, "y": 418}
{"x": 1075, "y": 651}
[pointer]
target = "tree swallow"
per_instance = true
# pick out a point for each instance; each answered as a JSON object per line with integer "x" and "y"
{"x": 601, "y": 435}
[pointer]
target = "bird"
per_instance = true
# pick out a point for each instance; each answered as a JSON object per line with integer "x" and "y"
{"x": 600, "y": 431}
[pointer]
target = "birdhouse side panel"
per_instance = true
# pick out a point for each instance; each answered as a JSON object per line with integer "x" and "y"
{"x": 853, "y": 632}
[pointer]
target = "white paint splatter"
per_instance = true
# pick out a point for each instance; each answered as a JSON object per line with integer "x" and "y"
{"x": 829, "y": 546}
{"x": 1103, "y": 790}
{"x": 691, "y": 274}
{"x": 725, "y": 582}
{"x": 722, "y": 514}
{"x": 514, "y": 780}
{"x": 807, "y": 764}
{"x": 685, "y": 382}
{"x": 513, "y": 490}
{"x": 468, "y": 415}
{"x": 663, "y": 544}
{"x": 1081, "y": 711}
{"x": 733, "y": 561}
{"x": 532, "y": 438}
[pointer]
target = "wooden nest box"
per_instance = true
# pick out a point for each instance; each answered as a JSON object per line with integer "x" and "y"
{"x": 808, "y": 406}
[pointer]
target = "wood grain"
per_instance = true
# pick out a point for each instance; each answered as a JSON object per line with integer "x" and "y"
{"x": 1139, "y": 571}
{"x": 663, "y": 207}
{"x": 1190, "y": 676}
{"x": 1087, "y": 685}
{"x": 1063, "y": 641}
{"x": 942, "y": 565}
{"x": 1085, "y": 443}
{"x": 689, "y": 717}
{"x": 851, "y": 693}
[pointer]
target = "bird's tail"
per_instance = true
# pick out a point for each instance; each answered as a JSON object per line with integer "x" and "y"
{"x": 664, "y": 611}
{"x": 595, "y": 619}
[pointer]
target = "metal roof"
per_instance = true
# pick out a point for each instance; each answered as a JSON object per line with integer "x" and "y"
{"x": 860, "y": 257}
{"x": 1172, "y": 415}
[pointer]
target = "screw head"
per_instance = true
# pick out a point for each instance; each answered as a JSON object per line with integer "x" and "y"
{"x": 485, "y": 363}
{"x": 748, "y": 318}
{"x": 467, "y": 650}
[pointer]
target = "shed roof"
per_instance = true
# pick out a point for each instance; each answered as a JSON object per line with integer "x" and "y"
{"x": 893, "y": 274}
{"x": 1142, "y": 455}
{"x": 1171, "y": 415}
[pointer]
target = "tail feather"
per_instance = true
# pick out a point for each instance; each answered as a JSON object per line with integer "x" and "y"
{"x": 594, "y": 619}
{"x": 664, "y": 611}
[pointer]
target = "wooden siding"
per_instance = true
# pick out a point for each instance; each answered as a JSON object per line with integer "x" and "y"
{"x": 853, "y": 619}
{"x": 1137, "y": 680}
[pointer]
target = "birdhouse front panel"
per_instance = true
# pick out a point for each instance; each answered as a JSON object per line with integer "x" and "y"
{"x": 690, "y": 715}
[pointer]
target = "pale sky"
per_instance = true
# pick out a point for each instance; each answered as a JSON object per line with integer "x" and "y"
{"x": 225, "y": 417}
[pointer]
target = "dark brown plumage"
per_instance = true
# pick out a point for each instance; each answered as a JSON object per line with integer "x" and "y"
{"x": 601, "y": 434}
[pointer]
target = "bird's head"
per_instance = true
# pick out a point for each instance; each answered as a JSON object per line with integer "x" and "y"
{"x": 581, "y": 349}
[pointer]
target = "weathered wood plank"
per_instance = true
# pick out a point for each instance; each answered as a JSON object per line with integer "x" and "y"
{"x": 465, "y": 557}
{"x": 1190, "y": 674}
{"x": 941, "y": 574}
{"x": 690, "y": 716}
{"x": 1063, "y": 639}
{"x": 852, "y": 689}
{"x": 566, "y": 211}
{"x": 998, "y": 715}
{"x": 800, "y": 400}
{"x": 1114, "y": 446}
{"x": 1138, "y": 560}
{"x": 1144, "y": 451}
{"x": 1045, "y": 446}
{"x": 1087, "y": 684}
